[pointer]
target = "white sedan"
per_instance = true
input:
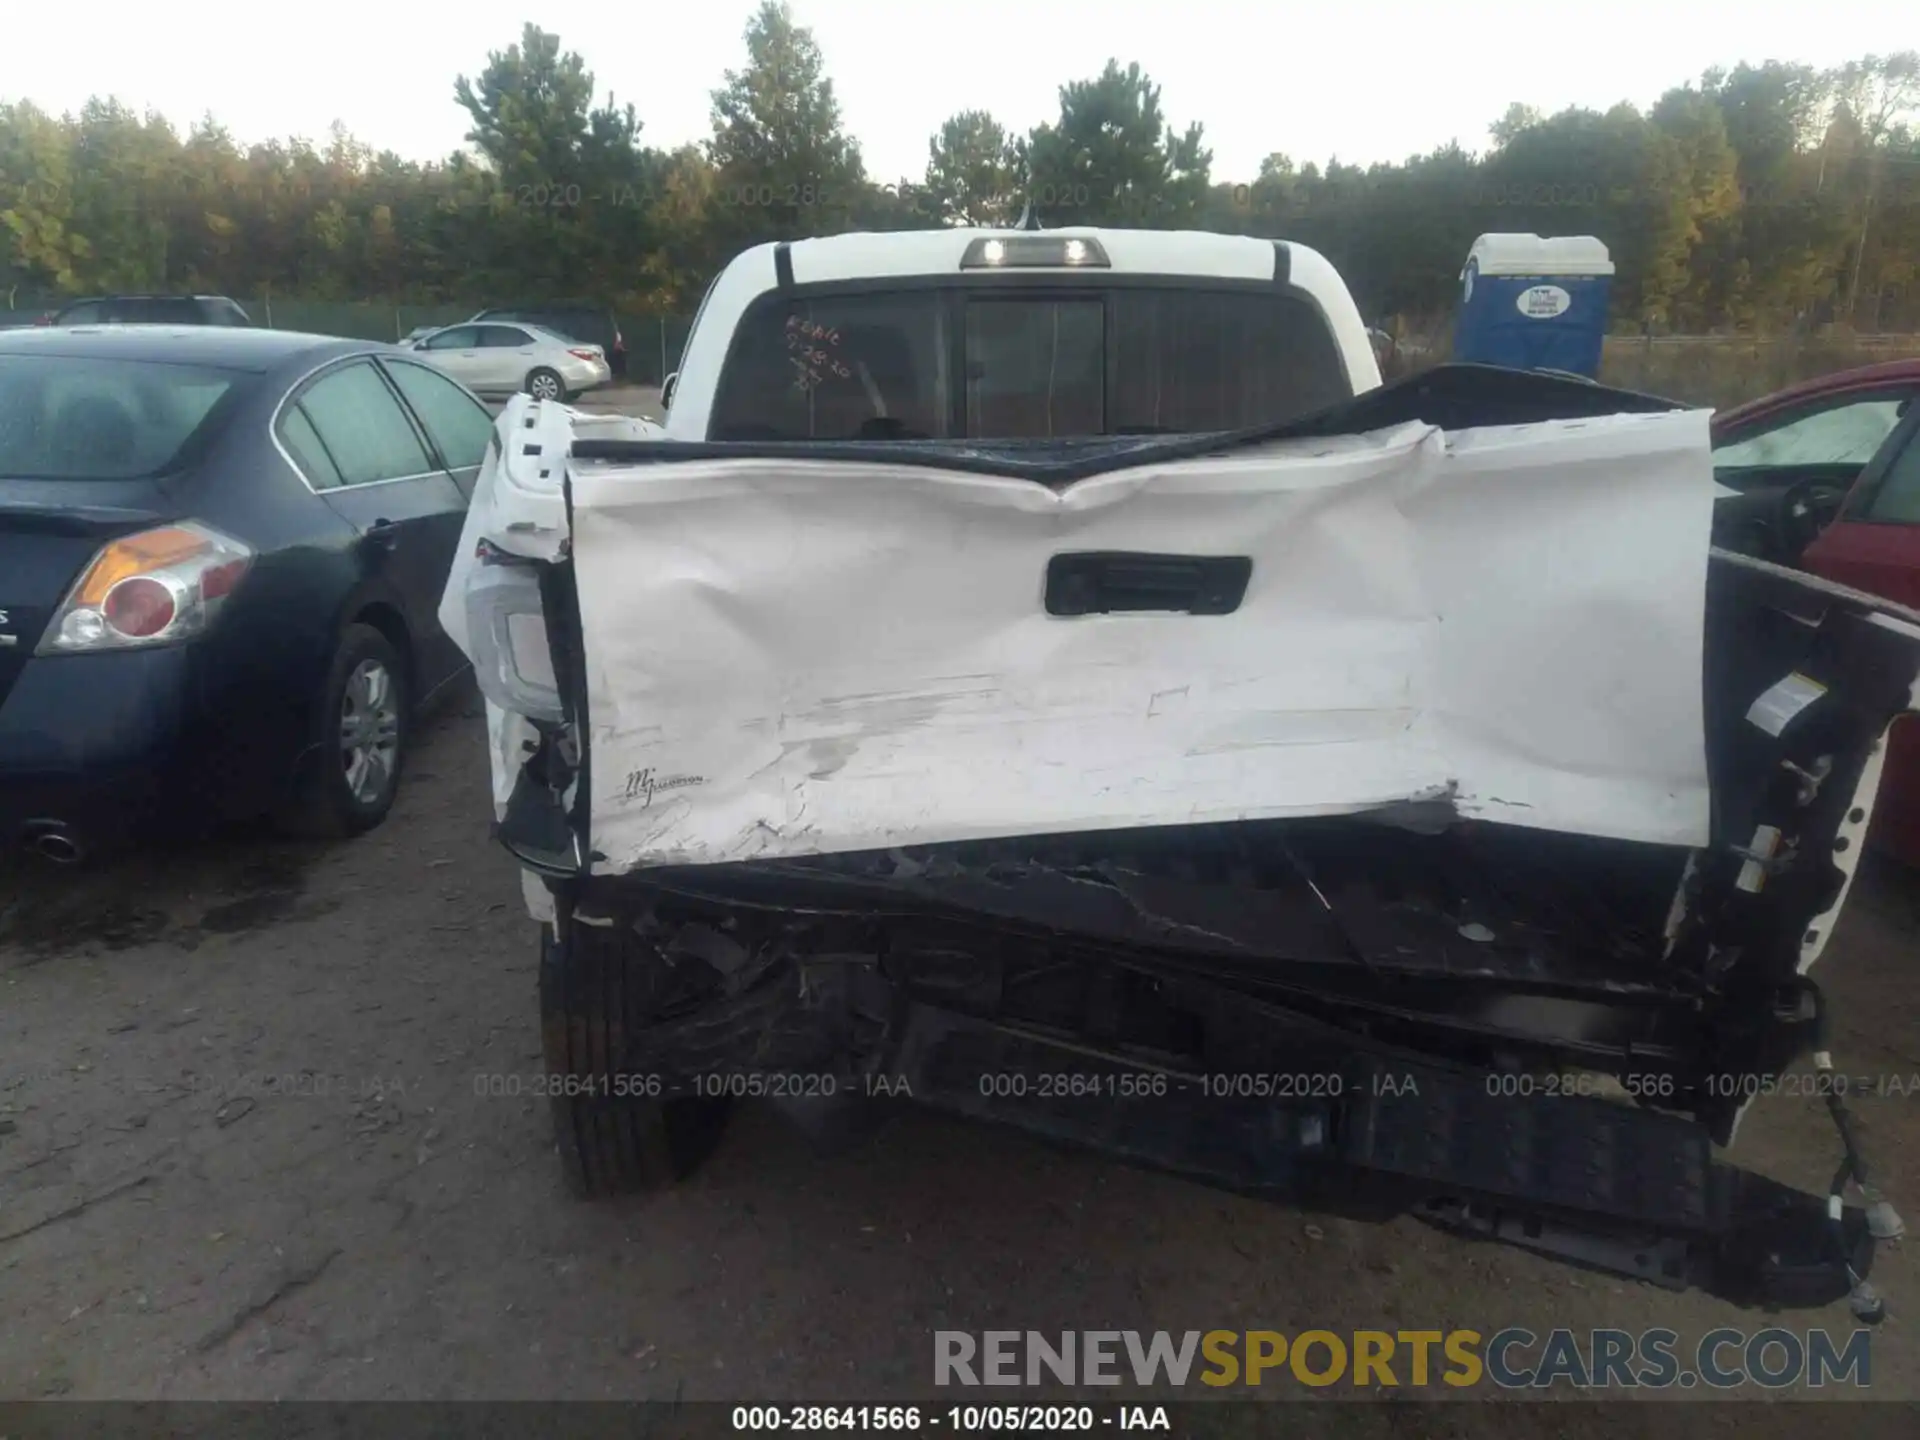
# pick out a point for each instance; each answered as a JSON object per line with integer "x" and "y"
{"x": 501, "y": 359}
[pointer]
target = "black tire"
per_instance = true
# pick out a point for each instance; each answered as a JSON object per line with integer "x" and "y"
{"x": 613, "y": 1138}
{"x": 540, "y": 378}
{"x": 324, "y": 804}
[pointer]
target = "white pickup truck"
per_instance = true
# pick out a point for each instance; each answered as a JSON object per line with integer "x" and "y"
{"x": 1047, "y": 676}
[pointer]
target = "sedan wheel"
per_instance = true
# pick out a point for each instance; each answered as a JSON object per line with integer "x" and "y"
{"x": 349, "y": 776}
{"x": 544, "y": 385}
{"x": 370, "y": 732}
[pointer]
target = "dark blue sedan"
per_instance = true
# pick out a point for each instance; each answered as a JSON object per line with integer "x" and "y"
{"x": 221, "y": 554}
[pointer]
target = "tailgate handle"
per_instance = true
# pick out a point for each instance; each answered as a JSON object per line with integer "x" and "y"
{"x": 1116, "y": 582}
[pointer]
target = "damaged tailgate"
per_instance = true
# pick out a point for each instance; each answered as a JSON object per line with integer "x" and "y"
{"x": 785, "y": 656}
{"x": 972, "y": 759}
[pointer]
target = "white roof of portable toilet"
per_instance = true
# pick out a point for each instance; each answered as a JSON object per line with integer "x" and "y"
{"x": 1512, "y": 254}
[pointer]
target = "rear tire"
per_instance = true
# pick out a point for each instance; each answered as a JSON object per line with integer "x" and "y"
{"x": 545, "y": 384}
{"x": 613, "y": 1138}
{"x": 365, "y": 690}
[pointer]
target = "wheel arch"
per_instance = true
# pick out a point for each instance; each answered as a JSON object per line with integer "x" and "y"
{"x": 382, "y": 614}
{"x": 368, "y": 603}
{"x": 375, "y": 603}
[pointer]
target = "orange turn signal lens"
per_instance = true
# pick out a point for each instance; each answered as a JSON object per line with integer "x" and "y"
{"x": 140, "y": 554}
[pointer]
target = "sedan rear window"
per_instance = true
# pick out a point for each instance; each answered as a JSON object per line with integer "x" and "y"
{"x": 1041, "y": 364}
{"x": 68, "y": 418}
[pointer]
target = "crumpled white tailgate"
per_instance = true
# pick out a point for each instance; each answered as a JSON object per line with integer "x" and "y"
{"x": 798, "y": 657}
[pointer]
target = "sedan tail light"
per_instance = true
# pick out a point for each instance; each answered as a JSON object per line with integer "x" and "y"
{"x": 156, "y": 587}
{"x": 587, "y": 352}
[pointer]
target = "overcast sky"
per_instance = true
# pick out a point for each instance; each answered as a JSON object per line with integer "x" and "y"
{"x": 1363, "y": 80}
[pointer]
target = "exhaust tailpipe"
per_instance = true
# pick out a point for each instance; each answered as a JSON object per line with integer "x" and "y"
{"x": 53, "y": 841}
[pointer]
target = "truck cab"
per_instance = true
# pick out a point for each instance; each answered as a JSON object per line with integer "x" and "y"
{"x": 984, "y": 334}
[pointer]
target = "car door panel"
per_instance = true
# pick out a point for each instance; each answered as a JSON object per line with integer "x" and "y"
{"x": 406, "y": 509}
{"x": 1875, "y": 546}
{"x": 409, "y": 530}
{"x": 1810, "y": 453}
{"x": 526, "y": 356}
{"x": 497, "y": 357}
{"x": 1881, "y": 559}
{"x": 510, "y": 352}
{"x": 458, "y": 352}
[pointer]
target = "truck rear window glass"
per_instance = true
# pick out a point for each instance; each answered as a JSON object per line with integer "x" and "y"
{"x": 837, "y": 368}
{"x": 881, "y": 365}
{"x": 1216, "y": 360}
{"x": 1036, "y": 367}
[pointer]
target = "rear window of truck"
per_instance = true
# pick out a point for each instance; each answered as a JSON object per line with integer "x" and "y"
{"x": 1024, "y": 364}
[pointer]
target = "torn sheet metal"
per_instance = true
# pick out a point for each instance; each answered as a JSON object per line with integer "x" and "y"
{"x": 792, "y": 657}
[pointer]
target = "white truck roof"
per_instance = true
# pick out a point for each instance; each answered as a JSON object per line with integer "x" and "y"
{"x": 867, "y": 255}
{"x": 1512, "y": 253}
{"x": 915, "y": 254}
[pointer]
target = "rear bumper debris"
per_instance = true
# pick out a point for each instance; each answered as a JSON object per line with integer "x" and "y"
{"x": 1341, "y": 1126}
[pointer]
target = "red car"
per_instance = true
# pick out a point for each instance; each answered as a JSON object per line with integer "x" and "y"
{"x": 1827, "y": 477}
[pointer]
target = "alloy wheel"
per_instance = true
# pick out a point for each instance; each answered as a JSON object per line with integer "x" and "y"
{"x": 369, "y": 731}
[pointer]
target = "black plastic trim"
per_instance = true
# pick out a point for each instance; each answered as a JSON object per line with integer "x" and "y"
{"x": 1118, "y": 582}
{"x": 1453, "y": 397}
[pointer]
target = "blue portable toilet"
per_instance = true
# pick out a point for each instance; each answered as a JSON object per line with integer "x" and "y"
{"x": 1533, "y": 304}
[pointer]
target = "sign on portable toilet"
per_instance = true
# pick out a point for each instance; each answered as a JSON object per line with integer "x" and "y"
{"x": 1534, "y": 304}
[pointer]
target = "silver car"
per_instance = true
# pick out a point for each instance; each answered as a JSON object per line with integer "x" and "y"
{"x": 502, "y": 359}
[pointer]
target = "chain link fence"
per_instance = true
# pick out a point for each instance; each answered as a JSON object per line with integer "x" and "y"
{"x": 1701, "y": 369}
{"x": 1707, "y": 370}
{"x": 1722, "y": 370}
{"x": 653, "y": 342}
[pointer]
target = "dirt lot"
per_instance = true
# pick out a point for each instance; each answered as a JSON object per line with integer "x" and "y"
{"x": 243, "y": 1154}
{"x": 254, "y": 1144}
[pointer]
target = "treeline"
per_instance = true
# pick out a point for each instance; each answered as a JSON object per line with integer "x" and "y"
{"x": 1759, "y": 198}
